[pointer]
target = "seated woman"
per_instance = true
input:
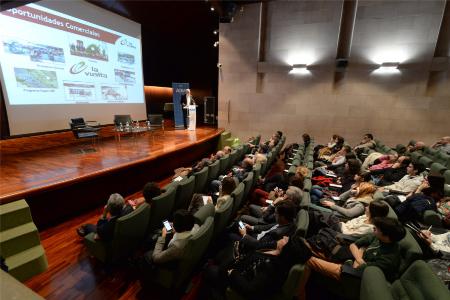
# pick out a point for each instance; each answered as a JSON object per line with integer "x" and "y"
{"x": 392, "y": 174}
{"x": 197, "y": 201}
{"x": 379, "y": 249}
{"x": 104, "y": 229}
{"x": 260, "y": 196}
{"x": 354, "y": 206}
{"x": 227, "y": 187}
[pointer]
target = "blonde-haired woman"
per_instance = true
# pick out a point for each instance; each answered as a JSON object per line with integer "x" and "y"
{"x": 354, "y": 206}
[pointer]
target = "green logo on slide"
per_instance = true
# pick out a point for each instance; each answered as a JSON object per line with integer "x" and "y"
{"x": 78, "y": 67}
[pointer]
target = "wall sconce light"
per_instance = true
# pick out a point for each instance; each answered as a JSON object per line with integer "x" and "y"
{"x": 212, "y": 8}
{"x": 216, "y": 44}
{"x": 299, "y": 69}
{"x": 389, "y": 66}
{"x": 219, "y": 65}
{"x": 216, "y": 31}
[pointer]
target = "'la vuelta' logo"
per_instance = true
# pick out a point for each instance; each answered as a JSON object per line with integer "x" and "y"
{"x": 127, "y": 43}
{"x": 78, "y": 67}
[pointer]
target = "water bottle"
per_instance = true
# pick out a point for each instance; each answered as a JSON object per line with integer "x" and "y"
{"x": 120, "y": 126}
{"x": 149, "y": 125}
{"x": 127, "y": 126}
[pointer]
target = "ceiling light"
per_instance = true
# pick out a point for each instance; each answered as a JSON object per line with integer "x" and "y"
{"x": 299, "y": 69}
{"x": 216, "y": 31}
{"x": 212, "y": 8}
{"x": 216, "y": 43}
{"x": 389, "y": 65}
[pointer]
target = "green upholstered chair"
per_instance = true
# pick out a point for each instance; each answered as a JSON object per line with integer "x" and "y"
{"x": 430, "y": 152}
{"x": 307, "y": 185}
{"x": 288, "y": 291}
{"x": 224, "y": 163}
{"x": 349, "y": 287}
{"x": 129, "y": 233}
{"x": 442, "y": 158}
{"x": 415, "y": 156}
{"x": 302, "y": 223}
{"x": 257, "y": 139}
{"x": 431, "y": 217}
{"x": 185, "y": 190}
{"x": 213, "y": 170}
{"x": 263, "y": 167}
{"x": 437, "y": 169}
{"x": 425, "y": 161}
{"x": 447, "y": 183}
{"x": 248, "y": 181}
{"x": 306, "y": 200}
{"x": 233, "y": 157}
{"x": 174, "y": 275}
{"x": 238, "y": 196}
{"x": 201, "y": 179}
{"x": 161, "y": 209}
{"x": 222, "y": 217}
{"x": 418, "y": 282}
{"x": 256, "y": 174}
{"x": 204, "y": 212}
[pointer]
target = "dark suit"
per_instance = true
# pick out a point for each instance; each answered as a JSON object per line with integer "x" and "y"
{"x": 269, "y": 240}
{"x": 184, "y": 109}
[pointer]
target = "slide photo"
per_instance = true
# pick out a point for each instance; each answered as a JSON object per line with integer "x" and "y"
{"x": 31, "y": 78}
{"x": 114, "y": 92}
{"x": 125, "y": 77}
{"x": 85, "y": 47}
{"x": 36, "y": 52}
{"x": 125, "y": 58}
{"x": 79, "y": 92}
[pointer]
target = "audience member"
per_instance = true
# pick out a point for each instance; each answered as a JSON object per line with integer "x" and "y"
{"x": 443, "y": 144}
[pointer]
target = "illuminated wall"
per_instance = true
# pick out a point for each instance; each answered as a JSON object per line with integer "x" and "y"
{"x": 395, "y": 106}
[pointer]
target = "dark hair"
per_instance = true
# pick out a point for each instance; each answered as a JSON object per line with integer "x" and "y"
{"x": 378, "y": 209}
{"x": 279, "y": 133}
{"x": 347, "y": 149}
{"x": 354, "y": 166}
{"x": 350, "y": 155}
{"x": 369, "y": 135}
{"x": 196, "y": 203}
{"x": 306, "y": 137}
{"x": 263, "y": 148}
{"x": 340, "y": 140}
{"x": 335, "y": 136}
{"x": 418, "y": 167}
{"x": 405, "y": 162}
{"x": 183, "y": 220}
{"x": 150, "y": 191}
{"x": 228, "y": 185}
{"x": 391, "y": 228}
{"x": 286, "y": 209}
{"x": 366, "y": 176}
{"x": 297, "y": 180}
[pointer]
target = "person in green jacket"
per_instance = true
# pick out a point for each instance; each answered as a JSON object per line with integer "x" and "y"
{"x": 379, "y": 249}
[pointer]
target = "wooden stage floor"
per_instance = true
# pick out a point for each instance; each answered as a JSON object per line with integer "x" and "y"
{"x": 25, "y": 174}
{"x": 59, "y": 183}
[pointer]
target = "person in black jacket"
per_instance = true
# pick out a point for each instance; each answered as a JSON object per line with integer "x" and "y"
{"x": 104, "y": 230}
{"x": 186, "y": 100}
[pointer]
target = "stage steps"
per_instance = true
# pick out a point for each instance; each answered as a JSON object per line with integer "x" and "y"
{"x": 20, "y": 245}
{"x": 227, "y": 140}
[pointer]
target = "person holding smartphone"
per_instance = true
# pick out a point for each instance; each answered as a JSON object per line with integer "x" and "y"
{"x": 182, "y": 228}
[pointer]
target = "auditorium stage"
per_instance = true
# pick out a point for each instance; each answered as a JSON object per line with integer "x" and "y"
{"x": 60, "y": 181}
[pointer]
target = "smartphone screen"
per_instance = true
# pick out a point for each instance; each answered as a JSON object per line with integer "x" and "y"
{"x": 167, "y": 225}
{"x": 241, "y": 225}
{"x": 269, "y": 201}
{"x": 205, "y": 200}
{"x": 335, "y": 198}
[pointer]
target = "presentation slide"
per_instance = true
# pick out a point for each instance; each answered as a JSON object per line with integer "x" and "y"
{"x": 48, "y": 57}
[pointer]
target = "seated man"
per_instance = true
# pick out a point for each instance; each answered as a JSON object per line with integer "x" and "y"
{"x": 409, "y": 183}
{"x": 366, "y": 142}
{"x": 443, "y": 144}
{"x": 379, "y": 249}
{"x": 266, "y": 215}
{"x": 104, "y": 229}
{"x": 167, "y": 251}
{"x": 266, "y": 236}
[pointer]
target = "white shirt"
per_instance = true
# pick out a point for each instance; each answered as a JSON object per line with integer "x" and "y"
{"x": 356, "y": 226}
{"x": 263, "y": 233}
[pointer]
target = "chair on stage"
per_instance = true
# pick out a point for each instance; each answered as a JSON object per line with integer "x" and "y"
{"x": 156, "y": 121}
{"x": 122, "y": 119}
{"x": 85, "y": 130}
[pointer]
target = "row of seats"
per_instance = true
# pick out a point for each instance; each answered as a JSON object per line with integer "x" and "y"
{"x": 131, "y": 229}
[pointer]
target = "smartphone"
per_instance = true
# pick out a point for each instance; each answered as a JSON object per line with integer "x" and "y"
{"x": 335, "y": 198}
{"x": 178, "y": 178}
{"x": 241, "y": 225}
{"x": 269, "y": 201}
{"x": 335, "y": 185}
{"x": 205, "y": 200}
{"x": 167, "y": 225}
